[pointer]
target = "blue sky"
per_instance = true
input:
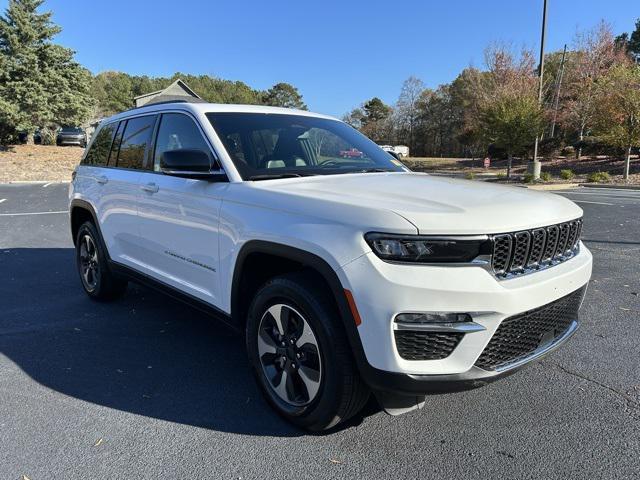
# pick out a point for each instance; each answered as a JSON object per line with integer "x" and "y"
{"x": 338, "y": 53}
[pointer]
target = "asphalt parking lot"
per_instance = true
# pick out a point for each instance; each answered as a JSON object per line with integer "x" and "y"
{"x": 147, "y": 387}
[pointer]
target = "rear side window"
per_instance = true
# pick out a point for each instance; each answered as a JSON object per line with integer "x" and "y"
{"x": 115, "y": 146}
{"x": 136, "y": 142}
{"x": 99, "y": 150}
{"x": 177, "y": 132}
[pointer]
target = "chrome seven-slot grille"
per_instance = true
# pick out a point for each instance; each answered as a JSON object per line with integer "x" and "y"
{"x": 529, "y": 250}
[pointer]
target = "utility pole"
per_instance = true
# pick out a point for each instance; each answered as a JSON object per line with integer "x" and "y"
{"x": 558, "y": 86}
{"x": 534, "y": 166}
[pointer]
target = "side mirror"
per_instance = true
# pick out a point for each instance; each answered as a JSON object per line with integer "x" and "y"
{"x": 190, "y": 163}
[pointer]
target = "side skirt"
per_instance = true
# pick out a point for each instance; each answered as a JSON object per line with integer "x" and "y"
{"x": 138, "y": 277}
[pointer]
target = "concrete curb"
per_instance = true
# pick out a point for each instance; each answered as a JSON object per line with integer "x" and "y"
{"x": 33, "y": 182}
{"x": 27, "y": 182}
{"x": 553, "y": 186}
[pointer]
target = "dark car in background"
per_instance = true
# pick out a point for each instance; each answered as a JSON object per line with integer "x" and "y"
{"x": 71, "y": 136}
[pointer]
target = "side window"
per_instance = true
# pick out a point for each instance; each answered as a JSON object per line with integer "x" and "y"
{"x": 136, "y": 141}
{"x": 176, "y": 132}
{"x": 99, "y": 150}
{"x": 115, "y": 146}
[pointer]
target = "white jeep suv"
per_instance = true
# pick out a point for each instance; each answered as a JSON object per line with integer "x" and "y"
{"x": 348, "y": 273}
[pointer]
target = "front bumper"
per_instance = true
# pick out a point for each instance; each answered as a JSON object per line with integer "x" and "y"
{"x": 70, "y": 141}
{"x": 382, "y": 290}
{"x": 475, "y": 377}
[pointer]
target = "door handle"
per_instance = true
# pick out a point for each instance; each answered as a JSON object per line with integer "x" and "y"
{"x": 101, "y": 179}
{"x": 150, "y": 187}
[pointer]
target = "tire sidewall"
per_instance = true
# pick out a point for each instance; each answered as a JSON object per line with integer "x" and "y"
{"x": 325, "y": 404}
{"x": 88, "y": 229}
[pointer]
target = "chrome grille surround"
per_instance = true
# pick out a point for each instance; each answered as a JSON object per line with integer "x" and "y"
{"x": 532, "y": 250}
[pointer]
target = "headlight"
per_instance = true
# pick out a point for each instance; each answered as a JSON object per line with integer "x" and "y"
{"x": 427, "y": 249}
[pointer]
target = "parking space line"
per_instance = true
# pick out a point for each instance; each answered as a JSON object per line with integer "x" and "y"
{"x": 32, "y": 213}
{"x": 606, "y": 195}
{"x": 594, "y": 203}
{"x": 46, "y": 185}
{"x": 3, "y": 200}
{"x": 626, "y": 195}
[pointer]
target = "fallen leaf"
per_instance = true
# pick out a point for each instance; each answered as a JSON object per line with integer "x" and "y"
{"x": 24, "y": 477}
{"x": 625, "y": 309}
{"x": 333, "y": 460}
{"x": 98, "y": 443}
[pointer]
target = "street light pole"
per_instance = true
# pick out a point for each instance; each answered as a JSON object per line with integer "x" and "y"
{"x": 534, "y": 166}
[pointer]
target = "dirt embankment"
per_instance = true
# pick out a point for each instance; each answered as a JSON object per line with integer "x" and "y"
{"x": 581, "y": 168}
{"x": 38, "y": 163}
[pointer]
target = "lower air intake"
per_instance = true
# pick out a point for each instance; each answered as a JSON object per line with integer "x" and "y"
{"x": 520, "y": 336}
{"x": 414, "y": 345}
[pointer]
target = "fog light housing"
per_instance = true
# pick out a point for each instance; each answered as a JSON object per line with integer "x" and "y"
{"x": 433, "y": 317}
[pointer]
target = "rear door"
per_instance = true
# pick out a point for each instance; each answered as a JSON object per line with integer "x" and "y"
{"x": 179, "y": 217}
{"x": 116, "y": 204}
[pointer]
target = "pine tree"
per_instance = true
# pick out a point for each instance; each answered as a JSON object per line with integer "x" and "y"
{"x": 284, "y": 95}
{"x": 41, "y": 85}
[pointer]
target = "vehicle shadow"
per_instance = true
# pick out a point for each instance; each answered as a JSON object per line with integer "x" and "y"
{"x": 146, "y": 353}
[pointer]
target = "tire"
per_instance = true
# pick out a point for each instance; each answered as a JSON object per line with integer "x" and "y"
{"x": 96, "y": 278}
{"x": 333, "y": 391}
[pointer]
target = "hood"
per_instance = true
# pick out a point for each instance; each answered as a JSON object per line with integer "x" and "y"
{"x": 437, "y": 205}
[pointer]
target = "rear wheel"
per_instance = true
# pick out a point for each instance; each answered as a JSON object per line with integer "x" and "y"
{"x": 97, "y": 280}
{"x": 300, "y": 354}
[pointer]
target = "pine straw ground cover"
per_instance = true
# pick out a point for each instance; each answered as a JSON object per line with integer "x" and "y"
{"x": 38, "y": 163}
{"x": 581, "y": 168}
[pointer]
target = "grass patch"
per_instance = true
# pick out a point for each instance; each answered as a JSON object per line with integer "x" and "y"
{"x": 567, "y": 174}
{"x": 599, "y": 177}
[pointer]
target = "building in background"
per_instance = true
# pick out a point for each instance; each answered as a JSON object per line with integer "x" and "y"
{"x": 178, "y": 90}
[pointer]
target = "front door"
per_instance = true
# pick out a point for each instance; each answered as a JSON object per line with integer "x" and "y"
{"x": 179, "y": 217}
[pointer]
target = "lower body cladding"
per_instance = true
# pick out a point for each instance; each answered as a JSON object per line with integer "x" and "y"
{"x": 468, "y": 328}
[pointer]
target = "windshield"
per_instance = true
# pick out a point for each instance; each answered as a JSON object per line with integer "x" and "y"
{"x": 70, "y": 130}
{"x": 265, "y": 145}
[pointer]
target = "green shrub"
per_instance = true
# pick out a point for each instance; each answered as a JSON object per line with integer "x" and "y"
{"x": 567, "y": 174}
{"x": 599, "y": 177}
{"x": 469, "y": 175}
{"x": 529, "y": 178}
{"x": 545, "y": 176}
{"x": 501, "y": 175}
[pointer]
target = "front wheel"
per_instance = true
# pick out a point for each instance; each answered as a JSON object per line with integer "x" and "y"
{"x": 97, "y": 280}
{"x": 300, "y": 354}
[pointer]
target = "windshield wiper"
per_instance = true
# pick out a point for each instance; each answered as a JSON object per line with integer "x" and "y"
{"x": 271, "y": 176}
{"x": 373, "y": 170}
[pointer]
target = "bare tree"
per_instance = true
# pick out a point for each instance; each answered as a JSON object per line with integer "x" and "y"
{"x": 407, "y": 108}
{"x": 595, "y": 53}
